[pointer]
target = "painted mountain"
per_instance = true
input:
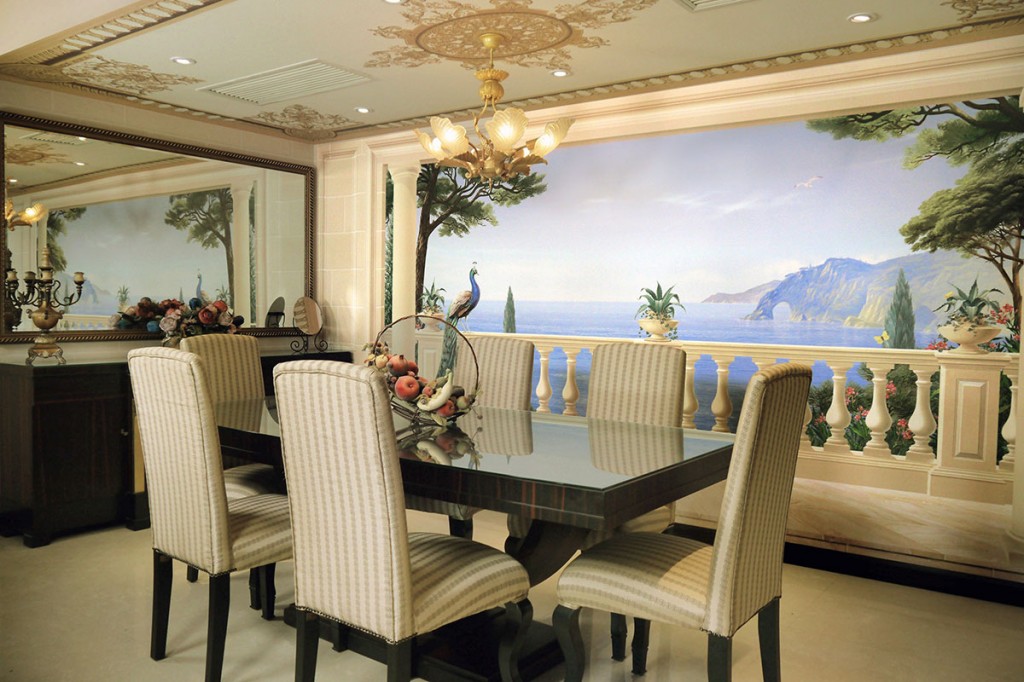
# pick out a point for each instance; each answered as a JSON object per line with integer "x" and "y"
{"x": 858, "y": 294}
{"x": 749, "y": 296}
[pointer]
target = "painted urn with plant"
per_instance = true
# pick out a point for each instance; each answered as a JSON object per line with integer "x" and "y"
{"x": 657, "y": 313}
{"x": 968, "y": 318}
{"x": 432, "y": 307}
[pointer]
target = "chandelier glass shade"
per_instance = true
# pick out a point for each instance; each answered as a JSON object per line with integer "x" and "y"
{"x": 29, "y": 216}
{"x": 498, "y": 154}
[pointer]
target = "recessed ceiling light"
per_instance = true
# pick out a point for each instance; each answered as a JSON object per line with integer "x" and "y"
{"x": 363, "y": 110}
{"x": 12, "y": 181}
{"x": 79, "y": 163}
{"x": 183, "y": 60}
{"x": 395, "y": 2}
{"x": 83, "y": 139}
{"x": 560, "y": 73}
{"x": 861, "y": 17}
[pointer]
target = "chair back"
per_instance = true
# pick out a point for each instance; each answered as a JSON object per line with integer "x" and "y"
{"x": 506, "y": 371}
{"x": 746, "y": 565}
{"x": 637, "y": 382}
{"x": 232, "y": 364}
{"x": 345, "y": 492}
{"x": 181, "y": 453}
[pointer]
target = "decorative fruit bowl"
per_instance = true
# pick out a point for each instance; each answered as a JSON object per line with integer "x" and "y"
{"x": 414, "y": 397}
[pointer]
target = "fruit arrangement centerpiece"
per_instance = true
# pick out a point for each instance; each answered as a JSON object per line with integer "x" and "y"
{"x": 414, "y": 397}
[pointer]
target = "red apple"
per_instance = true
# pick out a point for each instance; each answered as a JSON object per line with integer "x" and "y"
{"x": 407, "y": 388}
{"x": 411, "y": 366}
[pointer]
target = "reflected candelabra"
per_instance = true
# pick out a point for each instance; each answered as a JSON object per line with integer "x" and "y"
{"x": 43, "y": 292}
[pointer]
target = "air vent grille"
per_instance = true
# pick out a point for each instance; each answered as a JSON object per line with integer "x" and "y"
{"x": 288, "y": 82}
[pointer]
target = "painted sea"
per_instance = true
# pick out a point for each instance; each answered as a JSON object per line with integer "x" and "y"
{"x": 700, "y": 322}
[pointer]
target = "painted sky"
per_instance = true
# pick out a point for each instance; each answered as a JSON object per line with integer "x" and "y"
{"x": 127, "y": 243}
{"x": 708, "y": 212}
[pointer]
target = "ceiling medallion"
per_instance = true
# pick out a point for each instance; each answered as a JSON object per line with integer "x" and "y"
{"x": 448, "y": 30}
{"x": 32, "y": 153}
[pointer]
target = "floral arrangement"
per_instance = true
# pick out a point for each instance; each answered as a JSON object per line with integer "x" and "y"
{"x": 175, "y": 319}
{"x": 414, "y": 397}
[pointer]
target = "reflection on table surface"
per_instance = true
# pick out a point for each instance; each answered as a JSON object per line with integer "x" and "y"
{"x": 592, "y": 453}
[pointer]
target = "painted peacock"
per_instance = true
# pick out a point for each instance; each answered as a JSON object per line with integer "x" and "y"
{"x": 462, "y": 305}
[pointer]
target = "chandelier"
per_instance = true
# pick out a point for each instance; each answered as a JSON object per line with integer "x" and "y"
{"x": 498, "y": 154}
{"x": 29, "y": 216}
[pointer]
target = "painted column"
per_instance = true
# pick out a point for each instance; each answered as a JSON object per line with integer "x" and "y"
{"x": 690, "y": 402}
{"x": 721, "y": 406}
{"x": 1009, "y": 431}
{"x": 922, "y": 422}
{"x": 1017, "y": 518}
{"x": 403, "y": 279}
{"x": 544, "y": 381}
{"x": 838, "y": 415}
{"x": 571, "y": 391}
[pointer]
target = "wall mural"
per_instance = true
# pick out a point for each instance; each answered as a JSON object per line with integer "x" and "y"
{"x": 790, "y": 233}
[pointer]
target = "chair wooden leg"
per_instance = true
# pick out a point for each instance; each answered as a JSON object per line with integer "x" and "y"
{"x": 567, "y": 628}
{"x": 399, "y": 659}
{"x": 217, "y": 625}
{"x": 268, "y": 594}
{"x": 517, "y": 621}
{"x": 719, "y": 658}
{"x": 307, "y": 637}
{"x": 163, "y": 572}
{"x": 768, "y": 634}
{"x": 460, "y": 528}
{"x": 619, "y": 631}
{"x": 254, "y": 589}
{"x": 192, "y": 574}
{"x": 641, "y": 640}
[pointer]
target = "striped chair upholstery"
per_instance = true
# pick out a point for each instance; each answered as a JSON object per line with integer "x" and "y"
{"x": 355, "y": 561}
{"x": 192, "y": 518}
{"x": 234, "y": 372}
{"x": 506, "y": 379}
{"x": 716, "y": 588}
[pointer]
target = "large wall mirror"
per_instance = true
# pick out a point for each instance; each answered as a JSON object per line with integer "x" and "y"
{"x": 143, "y": 217}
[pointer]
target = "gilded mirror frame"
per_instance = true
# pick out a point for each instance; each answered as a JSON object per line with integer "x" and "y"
{"x": 307, "y": 172}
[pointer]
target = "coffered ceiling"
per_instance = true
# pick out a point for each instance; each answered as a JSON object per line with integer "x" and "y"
{"x": 308, "y": 68}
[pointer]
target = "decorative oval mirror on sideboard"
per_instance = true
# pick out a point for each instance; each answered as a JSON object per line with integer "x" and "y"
{"x": 145, "y": 218}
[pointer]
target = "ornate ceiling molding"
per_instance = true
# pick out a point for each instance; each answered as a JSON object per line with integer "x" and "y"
{"x": 304, "y": 122}
{"x": 968, "y": 9}
{"x": 122, "y": 77}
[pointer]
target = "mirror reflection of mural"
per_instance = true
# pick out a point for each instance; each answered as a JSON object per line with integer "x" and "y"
{"x": 160, "y": 247}
{"x": 788, "y": 233}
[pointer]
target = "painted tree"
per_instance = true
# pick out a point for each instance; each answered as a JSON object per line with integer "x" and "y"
{"x": 206, "y": 218}
{"x": 56, "y": 227}
{"x": 452, "y": 204}
{"x": 982, "y": 216}
{"x": 899, "y": 320}
{"x": 509, "y": 323}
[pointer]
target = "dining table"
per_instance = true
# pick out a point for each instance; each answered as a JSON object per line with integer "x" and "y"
{"x": 567, "y": 478}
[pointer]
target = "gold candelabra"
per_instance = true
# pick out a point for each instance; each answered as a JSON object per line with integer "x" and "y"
{"x": 42, "y": 292}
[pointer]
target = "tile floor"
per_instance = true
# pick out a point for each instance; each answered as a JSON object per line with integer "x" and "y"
{"x": 78, "y": 611}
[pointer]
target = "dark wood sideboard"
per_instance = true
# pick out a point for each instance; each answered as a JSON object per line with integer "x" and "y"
{"x": 67, "y": 448}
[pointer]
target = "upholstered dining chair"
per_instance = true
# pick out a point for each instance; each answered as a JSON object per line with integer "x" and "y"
{"x": 506, "y": 379}
{"x": 355, "y": 561}
{"x": 234, "y": 372}
{"x": 192, "y": 519}
{"x": 716, "y": 588}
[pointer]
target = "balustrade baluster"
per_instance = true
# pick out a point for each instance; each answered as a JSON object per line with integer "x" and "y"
{"x": 922, "y": 422}
{"x": 544, "y": 381}
{"x": 1009, "y": 431}
{"x": 571, "y": 392}
{"x": 690, "y": 402}
{"x": 838, "y": 415}
{"x": 878, "y": 420}
{"x": 721, "y": 406}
